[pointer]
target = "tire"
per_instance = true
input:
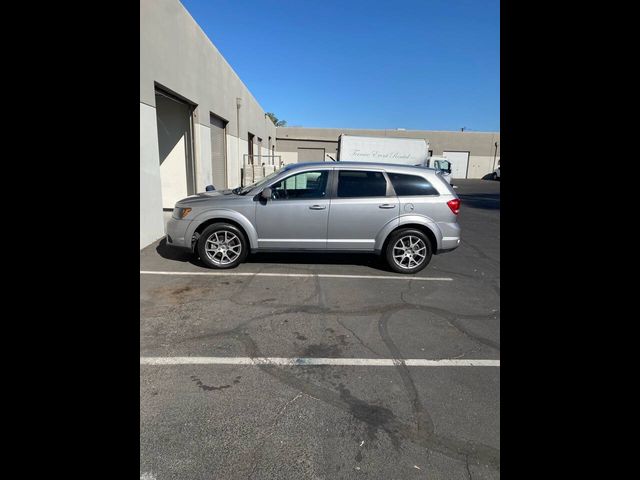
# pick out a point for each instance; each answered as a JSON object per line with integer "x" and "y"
{"x": 224, "y": 257}
{"x": 408, "y": 237}
{"x": 494, "y": 176}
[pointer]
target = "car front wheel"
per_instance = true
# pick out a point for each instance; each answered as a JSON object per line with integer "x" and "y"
{"x": 222, "y": 246}
{"x": 408, "y": 251}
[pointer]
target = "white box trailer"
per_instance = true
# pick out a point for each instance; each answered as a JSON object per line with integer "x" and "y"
{"x": 405, "y": 151}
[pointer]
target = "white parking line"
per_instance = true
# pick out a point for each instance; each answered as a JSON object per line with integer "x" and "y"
{"x": 320, "y": 275}
{"x": 304, "y": 361}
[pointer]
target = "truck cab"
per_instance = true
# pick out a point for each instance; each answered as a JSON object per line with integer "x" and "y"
{"x": 440, "y": 163}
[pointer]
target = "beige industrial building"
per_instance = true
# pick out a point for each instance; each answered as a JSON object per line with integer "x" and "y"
{"x": 198, "y": 122}
{"x": 473, "y": 154}
{"x": 200, "y": 125}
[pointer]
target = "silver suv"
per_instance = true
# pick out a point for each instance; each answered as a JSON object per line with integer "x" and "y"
{"x": 406, "y": 213}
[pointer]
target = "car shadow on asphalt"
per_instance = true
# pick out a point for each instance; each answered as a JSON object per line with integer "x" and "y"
{"x": 300, "y": 258}
{"x": 177, "y": 255}
{"x": 487, "y": 201}
{"x": 373, "y": 261}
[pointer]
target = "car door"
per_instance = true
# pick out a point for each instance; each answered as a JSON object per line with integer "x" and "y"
{"x": 296, "y": 215}
{"x": 362, "y": 205}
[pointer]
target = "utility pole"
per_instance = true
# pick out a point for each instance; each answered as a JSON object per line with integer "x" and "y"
{"x": 495, "y": 153}
{"x": 242, "y": 168}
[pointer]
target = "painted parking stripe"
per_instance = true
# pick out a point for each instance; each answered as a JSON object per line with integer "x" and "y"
{"x": 320, "y": 275}
{"x": 305, "y": 361}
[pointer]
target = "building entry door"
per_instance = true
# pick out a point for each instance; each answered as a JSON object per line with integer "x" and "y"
{"x": 459, "y": 163}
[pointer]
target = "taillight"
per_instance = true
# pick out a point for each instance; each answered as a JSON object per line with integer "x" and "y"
{"x": 454, "y": 205}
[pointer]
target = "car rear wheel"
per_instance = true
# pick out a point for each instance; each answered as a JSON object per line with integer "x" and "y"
{"x": 222, "y": 246}
{"x": 408, "y": 251}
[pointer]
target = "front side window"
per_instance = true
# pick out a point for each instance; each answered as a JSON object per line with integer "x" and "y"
{"x": 358, "y": 183}
{"x": 406, "y": 185}
{"x": 301, "y": 186}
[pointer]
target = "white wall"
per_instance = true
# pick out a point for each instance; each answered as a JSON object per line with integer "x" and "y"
{"x": 288, "y": 157}
{"x": 234, "y": 161}
{"x": 204, "y": 167}
{"x": 479, "y": 166}
{"x": 151, "y": 219}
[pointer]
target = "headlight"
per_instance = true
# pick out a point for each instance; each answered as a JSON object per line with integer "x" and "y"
{"x": 180, "y": 213}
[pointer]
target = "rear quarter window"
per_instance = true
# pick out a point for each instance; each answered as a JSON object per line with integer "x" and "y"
{"x": 411, "y": 185}
{"x": 361, "y": 183}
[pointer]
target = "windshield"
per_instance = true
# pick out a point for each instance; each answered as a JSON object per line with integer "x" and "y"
{"x": 258, "y": 184}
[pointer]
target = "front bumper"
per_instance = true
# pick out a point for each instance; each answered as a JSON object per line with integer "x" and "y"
{"x": 177, "y": 233}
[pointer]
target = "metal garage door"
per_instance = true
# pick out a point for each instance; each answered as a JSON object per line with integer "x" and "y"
{"x": 459, "y": 163}
{"x": 177, "y": 173}
{"x": 310, "y": 155}
{"x": 218, "y": 152}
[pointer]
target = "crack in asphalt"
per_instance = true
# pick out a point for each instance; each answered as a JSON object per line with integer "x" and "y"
{"x": 453, "y": 319}
{"x": 466, "y": 462}
{"x": 424, "y": 424}
{"x": 379, "y": 417}
{"x": 284, "y": 309}
{"x": 358, "y": 338}
{"x": 480, "y": 252}
{"x": 422, "y": 431}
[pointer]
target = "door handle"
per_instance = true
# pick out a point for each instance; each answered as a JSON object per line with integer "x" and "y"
{"x": 386, "y": 205}
{"x": 317, "y": 207}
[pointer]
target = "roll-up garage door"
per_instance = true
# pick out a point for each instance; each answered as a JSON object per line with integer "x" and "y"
{"x": 459, "y": 163}
{"x": 218, "y": 152}
{"x": 310, "y": 155}
{"x": 175, "y": 147}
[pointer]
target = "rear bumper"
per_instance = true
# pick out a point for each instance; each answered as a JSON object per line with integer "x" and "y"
{"x": 450, "y": 237}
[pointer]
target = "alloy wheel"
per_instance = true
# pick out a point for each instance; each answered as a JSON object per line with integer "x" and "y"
{"x": 409, "y": 252}
{"x": 223, "y": 247}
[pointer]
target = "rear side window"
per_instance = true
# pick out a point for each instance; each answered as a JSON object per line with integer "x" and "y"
{"x": 358, "y": 183}
{"x": 410, "y": 185}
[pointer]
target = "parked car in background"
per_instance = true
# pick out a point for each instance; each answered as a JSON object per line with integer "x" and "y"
{"x": 496, "y": 173}
{"x": 405, "y": 213}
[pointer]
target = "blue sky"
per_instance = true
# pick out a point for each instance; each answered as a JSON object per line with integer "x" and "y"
{"x": 432, "y": 65}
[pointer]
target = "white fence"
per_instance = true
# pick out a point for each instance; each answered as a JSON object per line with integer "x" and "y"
{"x": 255, "y": 167}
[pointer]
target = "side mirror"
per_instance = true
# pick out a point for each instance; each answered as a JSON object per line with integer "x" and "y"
{"x": 210, "y": 188}
{"x": 265, "y": 194}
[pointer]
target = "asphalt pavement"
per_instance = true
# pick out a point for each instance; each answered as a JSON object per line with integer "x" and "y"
{"x": 266, "y": 421}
